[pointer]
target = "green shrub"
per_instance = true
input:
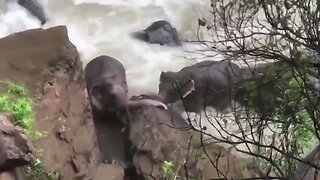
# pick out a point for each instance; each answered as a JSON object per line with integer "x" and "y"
{"x": 23, "y": 113}
{"x": 167, "y": 170}
{"x": 18, "y": 102}
{"x": 290, "y": 116}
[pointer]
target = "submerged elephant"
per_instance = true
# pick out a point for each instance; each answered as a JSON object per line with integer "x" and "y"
{"x": 208, "y": 83}
{"x": 35, "y": 8}
{"x": 160, "y": 32}
{"x": 107, "y": 93}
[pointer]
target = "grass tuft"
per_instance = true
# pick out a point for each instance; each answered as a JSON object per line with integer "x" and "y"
{"x": 17, "y": 102}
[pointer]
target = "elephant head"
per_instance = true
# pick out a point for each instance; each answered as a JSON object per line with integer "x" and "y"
{"x": 173, "y": 87}
{"x": 107, "y": 94}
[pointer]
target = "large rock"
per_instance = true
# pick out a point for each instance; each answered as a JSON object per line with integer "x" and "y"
{"x": 16, "y": 148}
{"x": 159, "y": 32}
{"x": 162, "y": 136}
{"x": 48, "y": 64}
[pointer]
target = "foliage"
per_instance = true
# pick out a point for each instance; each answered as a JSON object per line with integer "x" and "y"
{"x": 17, "y": 102}
{"x": 167, "y": 170}
{"x": 17, "y": 89}
{"x": 294, "y": 132}
{"x": 280, "y": 121}
{"x": 38, "y": 172}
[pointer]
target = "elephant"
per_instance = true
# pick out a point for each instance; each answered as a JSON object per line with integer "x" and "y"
{"x": 217, "y": 84}
{"x": 107, "y": 86}
{"x": 208, "y": 83}
{"x": 107, "y": 94}
{"x": 159, "y": 32}
{"x": 35, "y": 8}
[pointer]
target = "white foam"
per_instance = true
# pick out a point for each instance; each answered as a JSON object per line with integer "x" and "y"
{"x": 99, "y": 27}
{"x": 14, "y": 18}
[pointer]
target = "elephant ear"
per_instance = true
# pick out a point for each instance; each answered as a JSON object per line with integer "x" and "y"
{"x": 168, "y": 76}
{"x": 185, "y": 88}
{"x": 163, "y": 76}
{"x": 95, "y": 97}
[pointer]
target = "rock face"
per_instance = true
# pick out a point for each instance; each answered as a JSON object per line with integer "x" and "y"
{"x": 48, "y": 64}
{"x": 16, "y": 149}
{"x": 164, "y": 136}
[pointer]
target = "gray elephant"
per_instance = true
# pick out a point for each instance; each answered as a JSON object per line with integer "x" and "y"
{"x": 208, "y": 83}
{"x": 107, "y": 93}
{"x": 107, "y": 86}
{"x": 217, "y": 84}
{"x": 35, "y": 8}
{"x": 160, "y": 32}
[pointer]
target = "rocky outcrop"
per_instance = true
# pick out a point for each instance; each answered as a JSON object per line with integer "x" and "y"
{"x": 163, "y": 136}
{"x": 159, "y": 32}
{"x": 16, "y": 149}
{"x": 48, "y": 64}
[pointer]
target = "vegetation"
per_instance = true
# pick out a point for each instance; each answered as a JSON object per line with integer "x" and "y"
{"x": 17, "y": 102}
{"x": 168, "y": 172}
{"x": 280, "y": 122}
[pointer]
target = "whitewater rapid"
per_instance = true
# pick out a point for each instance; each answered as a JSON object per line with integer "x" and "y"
{"x": 99, "y": 27}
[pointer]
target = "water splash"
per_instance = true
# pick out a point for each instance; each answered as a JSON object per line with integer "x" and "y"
{"x": 99, "y": 27}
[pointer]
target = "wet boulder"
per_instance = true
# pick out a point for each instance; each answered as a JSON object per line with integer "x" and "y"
{"x": 160, "y": 32}
{"x": 163, "y": 137}
{"x": 16, "y": 149}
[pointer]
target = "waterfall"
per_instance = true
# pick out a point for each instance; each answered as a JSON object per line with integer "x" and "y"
{"x": 99, "y": 27}
{"x": 103, "y": 27}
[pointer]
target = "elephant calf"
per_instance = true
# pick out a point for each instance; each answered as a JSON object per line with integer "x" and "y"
{"x": 107, "y": 87}
{"x": 107, "y": 93}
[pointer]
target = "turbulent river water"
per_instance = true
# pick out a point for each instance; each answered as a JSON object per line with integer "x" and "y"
{"x": 103, "y": 27}
{"x": 99, "y": 27}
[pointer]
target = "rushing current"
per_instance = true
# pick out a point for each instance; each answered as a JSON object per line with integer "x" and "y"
{"x": 99, "y": 27}
{"x": 103, "y": 27}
